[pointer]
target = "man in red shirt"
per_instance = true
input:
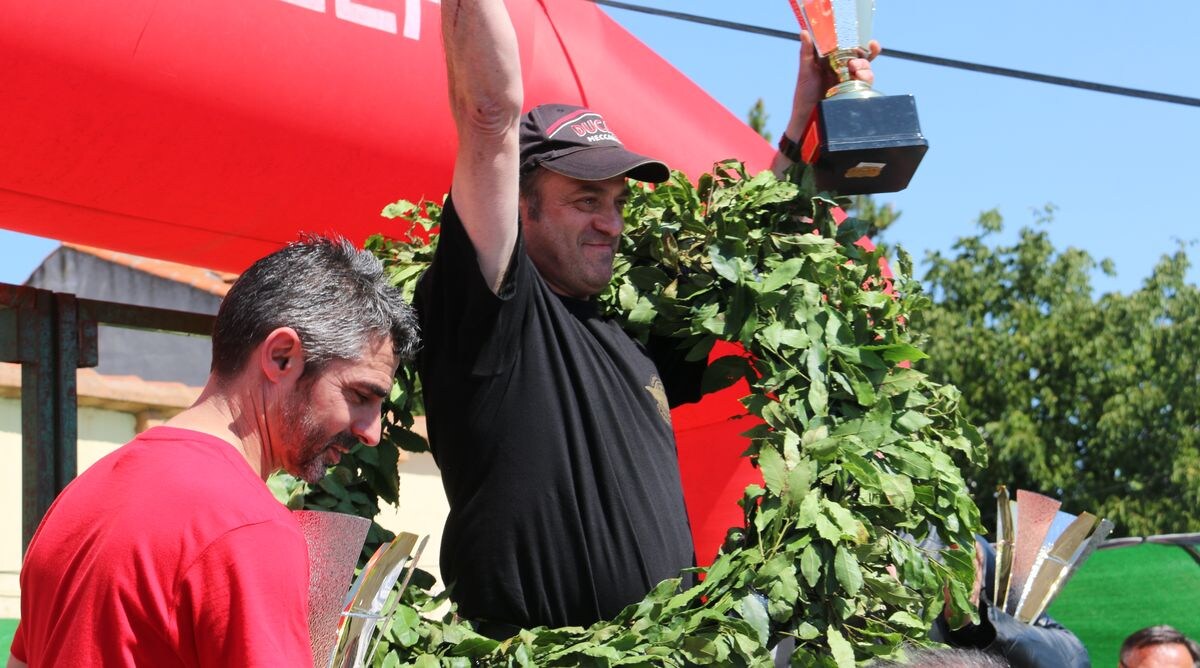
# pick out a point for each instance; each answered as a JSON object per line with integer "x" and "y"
{"x": 171, "y": 551}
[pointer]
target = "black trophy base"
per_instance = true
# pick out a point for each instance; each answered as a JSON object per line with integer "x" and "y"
{"x": 866, "y": 145}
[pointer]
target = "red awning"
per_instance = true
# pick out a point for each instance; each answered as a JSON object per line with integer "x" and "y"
{"x": 212, "y": 132}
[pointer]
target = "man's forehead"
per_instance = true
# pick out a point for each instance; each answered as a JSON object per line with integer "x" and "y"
{"x": 378, "y": 356}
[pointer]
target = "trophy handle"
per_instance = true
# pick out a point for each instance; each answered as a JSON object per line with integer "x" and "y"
{"x": 847, "y": 87}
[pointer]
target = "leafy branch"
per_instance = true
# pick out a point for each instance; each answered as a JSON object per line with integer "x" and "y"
{"x": 857, "y": 450}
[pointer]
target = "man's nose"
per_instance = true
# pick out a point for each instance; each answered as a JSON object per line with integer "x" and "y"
{"x": 368, "y": 431}
{"x": 609, "y": 222}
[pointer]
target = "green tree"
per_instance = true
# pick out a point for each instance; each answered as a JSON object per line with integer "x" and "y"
{"x": 878, "y": 217}
{"x": 1093, "y": 401}
{"x": 757, "y": 117}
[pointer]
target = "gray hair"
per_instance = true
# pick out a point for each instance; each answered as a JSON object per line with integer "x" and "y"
{"x": 335, "y": 296}
{"x": 946, "y": 657}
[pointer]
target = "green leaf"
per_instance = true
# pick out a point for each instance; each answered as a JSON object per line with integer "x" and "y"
{"x": 899, "y": 352}
{"x": 818, "y": 393}
{"x": 826, "y": 529}
{"x": 864, "y": 390}
{"x": 863, "y": 471}
{"x": 900, "y": 381}
{"x": 800, "y": 480}
{"x": 474, "y": 647}
{"x": 843, "y": 653}
{"x": 850, "y": 528}
{"x": 809, "y": 510}
{"x": 806, "y": 631}
{"x": 774, "y": 470}
{"x": 810, "y": 565}
{"x": 794, "y": 338}
{"x": 330, "y": 485}
{"x": 426, "y": 661}
{"x": 847, "y": 571}
{"x": 647, "y": 278}
{"x": 898, "y": 489}
{"x": 755, "y": 614}
{"x": 908, "y": 461}
{"x": 727, "y": 268}
{"x": 872, "y": 299}
{"x": 912, "y": 422}
{"x": 783, "y": 274}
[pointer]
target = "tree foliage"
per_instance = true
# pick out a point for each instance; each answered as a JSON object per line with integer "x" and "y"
{"x": 757, "y": 117}
{"x": 1093, "y": 401}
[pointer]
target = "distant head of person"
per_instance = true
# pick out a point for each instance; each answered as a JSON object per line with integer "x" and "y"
{"x": 305, "y": 347}
{"x": 573, "y": 191}
{"x": 1159, "y": 647}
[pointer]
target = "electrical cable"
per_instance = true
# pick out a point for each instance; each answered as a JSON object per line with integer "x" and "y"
{"x": 916, "y": 57}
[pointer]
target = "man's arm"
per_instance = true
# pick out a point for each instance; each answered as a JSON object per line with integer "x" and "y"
{"x": 484, "y": 71}
{"x": 814, "y": 78}
{"x": 13, "y": 663}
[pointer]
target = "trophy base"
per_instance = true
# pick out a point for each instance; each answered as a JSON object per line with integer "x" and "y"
{"x": 865, "y": 145}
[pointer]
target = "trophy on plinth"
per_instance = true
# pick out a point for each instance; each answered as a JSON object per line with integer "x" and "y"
{"x": 860, "y": 140}
{"x": 1038, "y": 549}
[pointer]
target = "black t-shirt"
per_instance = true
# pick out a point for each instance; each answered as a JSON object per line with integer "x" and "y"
{"x": 552, "y": 432}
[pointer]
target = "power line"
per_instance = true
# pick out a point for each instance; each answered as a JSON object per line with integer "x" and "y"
{"x": 916, "y": 57}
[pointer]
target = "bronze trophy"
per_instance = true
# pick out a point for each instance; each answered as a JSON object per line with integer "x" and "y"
{"x": 860, "y": 141}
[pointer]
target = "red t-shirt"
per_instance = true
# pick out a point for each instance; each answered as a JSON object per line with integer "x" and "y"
{"x": 168, "y": 552}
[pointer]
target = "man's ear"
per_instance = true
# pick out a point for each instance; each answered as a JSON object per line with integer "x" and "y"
{"x": 280, "y": 356}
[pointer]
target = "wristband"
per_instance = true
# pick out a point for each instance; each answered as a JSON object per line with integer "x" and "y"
{"x": 789, "y": 147}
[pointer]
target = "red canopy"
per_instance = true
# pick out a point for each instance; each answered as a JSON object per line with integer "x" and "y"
{"x": 211, "y": 133}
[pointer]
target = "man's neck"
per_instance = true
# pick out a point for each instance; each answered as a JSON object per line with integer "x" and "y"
{"x": 229, "y": 416}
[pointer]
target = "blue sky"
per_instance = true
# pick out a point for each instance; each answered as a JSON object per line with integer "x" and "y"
{"x": 1116, "y": 168}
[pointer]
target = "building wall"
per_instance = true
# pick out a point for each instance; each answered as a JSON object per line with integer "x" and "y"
{"x": 148, "y": 355}
{"x": 100, "y": 431}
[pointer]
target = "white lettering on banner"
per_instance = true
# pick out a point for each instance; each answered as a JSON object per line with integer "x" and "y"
{"x": 315, "y": 5}
{"x": 412, "y": 18}
{"x": 372, "y": 17}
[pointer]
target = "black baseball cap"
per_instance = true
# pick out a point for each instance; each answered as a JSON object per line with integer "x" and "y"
{"x": 576, "y": 142}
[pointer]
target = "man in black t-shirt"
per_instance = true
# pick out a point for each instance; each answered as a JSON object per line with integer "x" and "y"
{"x": 550, "y": 425}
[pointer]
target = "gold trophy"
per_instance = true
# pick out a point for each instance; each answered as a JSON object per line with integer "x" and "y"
{"x": 860, "y": 141}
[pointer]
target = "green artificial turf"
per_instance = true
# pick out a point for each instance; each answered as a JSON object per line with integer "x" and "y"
{"x": 7, "y": 628}
{"x": 1123, "y": 589}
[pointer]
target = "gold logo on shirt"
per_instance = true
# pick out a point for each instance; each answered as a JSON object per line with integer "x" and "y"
{"x": 656, "y": 390}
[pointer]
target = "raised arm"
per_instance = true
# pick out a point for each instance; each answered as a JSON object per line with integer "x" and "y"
{"x": 814, "y": 78}
{"x": 484, "y": 70}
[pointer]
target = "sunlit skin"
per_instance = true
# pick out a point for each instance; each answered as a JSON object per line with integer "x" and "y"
{"x": 1165, "y": 655}
{"x": 327, "y": 415}
{"x": 574, "y": 239}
